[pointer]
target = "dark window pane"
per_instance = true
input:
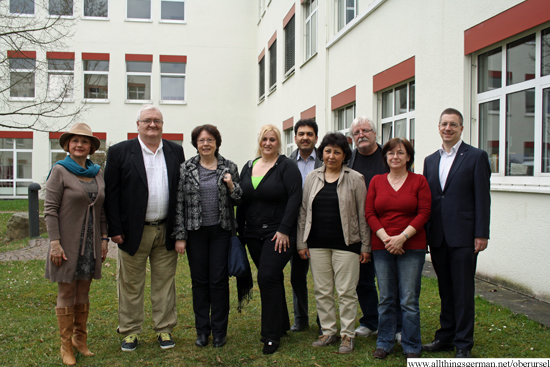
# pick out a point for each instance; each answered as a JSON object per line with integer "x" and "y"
{"x": 273, "y": 64}
{"x": 139, "y": 9}
{"x": 170, "y": 10}
{"x": 520, "y": 135}
{"x": 262, "y": 76}
{"x": 401, "y": 99}
{"x": 289, "y": 44}
{"x": 520, "y": 60}
{"x": 61, "y": 7}
{"x": 545, "y": 62}
{"x": 489, "y": 134}
{"x": 54, "y": 64}
{"x": 96, "y": 65}
{"x": 22, "y": 6}
{"x": 546, "y": 130}
{"x": 139, "y": 66}
{"x": 96, "y": 8}
{"x": 489, "y": 71}
{"x": 172, "y": 67}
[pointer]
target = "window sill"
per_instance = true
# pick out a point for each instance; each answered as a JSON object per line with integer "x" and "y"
{"x": 166, "y": 21}
{"x": 311, "y": 57}
{"x": 137, "y": 20}
{"x": 66, "y": 100}
{"x": 21, "y": 15}
{"x": 272, "y": 89}
{"x": 22, "y": 99}
{"x": 70, "y": 17}
{"x": 95, "y": 100}
{"x": 533, "y": 189}
{"x": 95, "y": 18}
{"x": 173, "y": 102}
{"x": 289, "y": 73}
{"x": 140, "y": 101}
{"x": 262, "y": 98}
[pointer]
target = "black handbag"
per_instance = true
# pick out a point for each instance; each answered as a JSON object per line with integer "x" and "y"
{"x": 238, "y": 264}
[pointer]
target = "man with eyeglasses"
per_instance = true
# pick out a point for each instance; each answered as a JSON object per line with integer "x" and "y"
{"x": 141, "y": 179}
{"x": 459, "y": 179}
{"x": 368, "y": 160}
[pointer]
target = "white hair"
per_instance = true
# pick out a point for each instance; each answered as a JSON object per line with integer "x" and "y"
{"x": 364, "y": 119}
{"x": 146, "y": 107}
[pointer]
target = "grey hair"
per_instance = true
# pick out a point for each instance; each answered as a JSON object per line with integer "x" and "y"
{"x": 146, "y": 107}
{"x": 360, "y": 119}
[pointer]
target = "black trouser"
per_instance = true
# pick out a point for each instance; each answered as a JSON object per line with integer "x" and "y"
{"x": 270, "y": 265}
{"x": 207, "y": 251}
{"x": 455, "y": 268}
{"x": 298, "y": 279}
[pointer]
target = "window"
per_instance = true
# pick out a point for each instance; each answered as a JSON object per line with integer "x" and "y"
{"x": 398, "y": 112}
{"x": 96, "y": 8}
{"x": 138, "y": 77}
{"x": 172, "y": 10}
{"x": 22, "y": 74}
{"x": 58, "y": 154}
{"x": 22, "y": 6}
{"x": 512, "y": 104}
{"x": 290, "y": 38}
{"x": 347, "y": 10}
{"x": 96, "y": 76}
{"x": 61, "y": 7}
{"x": 60, "y": 75}
{"x": 344, "y": 117}
{"x": 262, "y": 77}
{"x": 15, "y": 163}
{"x": 172, "y": 78}
{"x": 310, "y": 11}
{"x": 273, "y": 65}
{"x": 289, "y": 141}
{"x": 138, "y": 9}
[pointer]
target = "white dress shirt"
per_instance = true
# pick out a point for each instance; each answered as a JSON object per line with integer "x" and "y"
{"x": 446, "y": 162}
{"x": 157, "y": 182}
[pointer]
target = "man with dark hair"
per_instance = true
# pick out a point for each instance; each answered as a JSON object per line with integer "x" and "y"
{"x": 305, "y": 137}
{"x": 141, "y": 181}
{"x": 368, "y": 160}
{"x": 458, "y": 229}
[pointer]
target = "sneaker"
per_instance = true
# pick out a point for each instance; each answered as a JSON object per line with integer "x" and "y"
{"x": 346, "y": 346}
{"x": 398, "y": 337}
{"x": 129, "y": 343}
{"x": 165, "y": 340}
{"x": 364, "y": 331}
{"x": 325, "y": 340}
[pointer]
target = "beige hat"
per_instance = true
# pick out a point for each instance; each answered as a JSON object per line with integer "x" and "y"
{"x": 83, "y": 129}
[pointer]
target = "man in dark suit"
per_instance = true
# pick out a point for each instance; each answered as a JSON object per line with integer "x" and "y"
{"x": 458, "y": 229}
{"x": 305, "y": 137}
{"x": 141, "y": 179}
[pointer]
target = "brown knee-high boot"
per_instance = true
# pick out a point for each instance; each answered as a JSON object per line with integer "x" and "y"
{"x": 80, "y": 335}
{"x": 65, "y": 319}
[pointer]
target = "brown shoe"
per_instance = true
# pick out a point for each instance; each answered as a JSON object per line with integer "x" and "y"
{"x": 325, "y": 340}
{"x": 65, "y": 320}
{"x": 80, "y": 335}
{"x": 380, "y": 353}
{"x": 346, "y": 346}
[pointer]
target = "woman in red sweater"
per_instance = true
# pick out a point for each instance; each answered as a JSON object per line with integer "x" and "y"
{"x": 397, "y": 207}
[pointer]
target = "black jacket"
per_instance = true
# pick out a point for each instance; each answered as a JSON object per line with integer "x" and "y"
{"x": 273, "y": 206}
{"x": 126, "y": 191}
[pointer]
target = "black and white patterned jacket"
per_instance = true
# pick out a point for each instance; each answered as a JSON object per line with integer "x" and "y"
{"x": 188, "y": 209}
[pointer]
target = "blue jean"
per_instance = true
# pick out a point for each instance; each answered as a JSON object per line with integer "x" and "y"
{"x": 399, "y": 276}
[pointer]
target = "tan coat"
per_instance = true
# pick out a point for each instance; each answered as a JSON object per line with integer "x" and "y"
{"x": 352, "y": 194}
{"x": 65, "y": 211}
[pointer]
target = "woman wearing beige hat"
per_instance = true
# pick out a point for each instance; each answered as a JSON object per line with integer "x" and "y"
{"x": 77, "y": 228}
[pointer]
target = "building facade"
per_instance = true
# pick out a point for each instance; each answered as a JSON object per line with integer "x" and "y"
{"x": 241, "y": 64}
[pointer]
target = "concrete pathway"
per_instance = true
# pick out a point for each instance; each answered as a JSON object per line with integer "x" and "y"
{"x": 536, "y": 310}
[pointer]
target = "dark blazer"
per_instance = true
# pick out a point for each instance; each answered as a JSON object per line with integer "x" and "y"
{"x": 461, "y": 212}
{"x": 126, "y": 191}
{"x": 318, "y": 161}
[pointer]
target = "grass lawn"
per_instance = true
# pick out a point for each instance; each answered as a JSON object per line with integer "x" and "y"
{"x": 18, "y": 205}
{"x": 29, "y": 334}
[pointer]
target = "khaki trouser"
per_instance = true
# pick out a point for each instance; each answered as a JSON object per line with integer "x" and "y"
{"x": 335, "y": 269}
{"x": 131, "y": 272}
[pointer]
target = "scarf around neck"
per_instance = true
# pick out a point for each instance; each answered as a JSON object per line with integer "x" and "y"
{"x": 70, "y": 165}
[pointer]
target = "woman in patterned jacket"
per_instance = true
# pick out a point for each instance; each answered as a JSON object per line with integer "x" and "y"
{"x": 207, "y": 192}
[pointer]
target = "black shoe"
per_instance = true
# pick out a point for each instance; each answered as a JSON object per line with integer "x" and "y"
{"x": 165, "y": 340}
{"x": 437, "y": 346}
{"x": 219, "y": 342}
{"x": 463, "y": 353}
{"x": 298, "y": 327}
{"x": 202, "y": 340}
{"x": 270, "y": 346}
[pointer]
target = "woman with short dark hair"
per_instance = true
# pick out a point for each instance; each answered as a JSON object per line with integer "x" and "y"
{"x": 398, "y": 206}
{"x": 332, "y": 231}
{"x": 207, "y": 192}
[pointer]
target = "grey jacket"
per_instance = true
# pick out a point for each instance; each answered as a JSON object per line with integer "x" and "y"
{"x": 189, "y": 209}
{"x": 318, "y": 161}
{"x": 352, "y": 193}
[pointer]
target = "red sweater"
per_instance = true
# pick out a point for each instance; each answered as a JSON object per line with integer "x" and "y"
{"x": 395, "y": 210}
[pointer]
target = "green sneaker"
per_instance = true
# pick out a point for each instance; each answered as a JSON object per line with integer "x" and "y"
{"x": 165, "y": 340}
{"x": 129, "y": 343}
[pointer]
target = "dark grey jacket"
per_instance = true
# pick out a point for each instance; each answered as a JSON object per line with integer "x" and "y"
{"x": 318, "y": 161}
{"x": 189, "y": 209}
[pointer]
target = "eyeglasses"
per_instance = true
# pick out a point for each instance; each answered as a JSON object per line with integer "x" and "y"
{"x": 206, "y": 141}
{"x": 149, "y": 121}
{"x": 454, "y": 125}
{"x": 364, "y": 131}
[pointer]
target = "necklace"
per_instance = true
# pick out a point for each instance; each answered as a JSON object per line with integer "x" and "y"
{"x": 209, "y": 167}
{"x": 396, "y": 181}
